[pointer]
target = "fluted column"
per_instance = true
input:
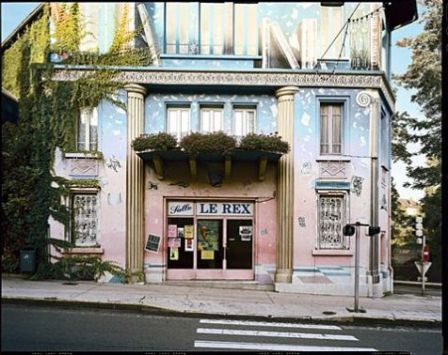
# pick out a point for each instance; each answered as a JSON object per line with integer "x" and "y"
{"x": 285, "y": 185}
{"x": 135, "y": 183}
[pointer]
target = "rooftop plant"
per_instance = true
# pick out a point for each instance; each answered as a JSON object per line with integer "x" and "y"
{"x": 265, "y": 142}
{"x": 158, "y": 141}
{"x": 216, "y": 142}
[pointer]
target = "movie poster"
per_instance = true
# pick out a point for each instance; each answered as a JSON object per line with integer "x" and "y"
{"x": 208, "y": 235}
{"x": 188, "y": 231}
{"x": 174, "y": 254}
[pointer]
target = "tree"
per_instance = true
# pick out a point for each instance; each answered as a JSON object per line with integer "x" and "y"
{"x": 425, "y": 77}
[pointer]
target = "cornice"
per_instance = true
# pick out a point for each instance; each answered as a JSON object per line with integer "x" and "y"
{"x": 274, "y": 79}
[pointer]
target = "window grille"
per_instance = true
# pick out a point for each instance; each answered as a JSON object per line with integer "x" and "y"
{"x": 85, "y": 219}
{"x": 331, "y": 128}
{"x": 331, "y": 219}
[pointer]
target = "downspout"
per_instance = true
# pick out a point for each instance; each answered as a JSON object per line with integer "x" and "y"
{"x": 374, "y": 203}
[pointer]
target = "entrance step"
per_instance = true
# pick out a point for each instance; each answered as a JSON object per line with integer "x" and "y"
{"x": 241, "y": 285}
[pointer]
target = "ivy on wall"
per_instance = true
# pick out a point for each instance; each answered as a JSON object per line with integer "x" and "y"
{"x": 48, "y": 118}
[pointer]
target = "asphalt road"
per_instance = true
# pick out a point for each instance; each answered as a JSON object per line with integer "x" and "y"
{"x": 39, "y": 328}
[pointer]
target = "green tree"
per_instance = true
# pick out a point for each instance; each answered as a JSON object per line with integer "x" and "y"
{"x": 424, "y": 76}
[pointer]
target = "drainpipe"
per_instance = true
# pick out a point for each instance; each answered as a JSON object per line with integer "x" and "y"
{"x": 374, "y": 204}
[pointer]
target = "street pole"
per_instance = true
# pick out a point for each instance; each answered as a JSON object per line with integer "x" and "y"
{"x": 423, "y": 266}
{"x": 357, "y": 268}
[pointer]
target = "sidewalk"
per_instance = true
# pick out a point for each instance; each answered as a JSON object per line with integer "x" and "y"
{"x": 207, "y": 301}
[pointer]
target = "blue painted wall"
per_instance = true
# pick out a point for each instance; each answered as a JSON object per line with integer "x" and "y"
{"x": 155, "y": 110}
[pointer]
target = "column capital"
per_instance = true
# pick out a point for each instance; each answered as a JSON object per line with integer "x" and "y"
{"x": 136, "y": 89}
{"x": 287, "y": 90}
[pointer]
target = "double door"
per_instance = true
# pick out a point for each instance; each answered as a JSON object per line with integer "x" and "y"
{"x": 210, "y": 248}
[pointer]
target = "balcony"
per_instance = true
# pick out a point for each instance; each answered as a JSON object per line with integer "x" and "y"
{"x": 161, "y": 158}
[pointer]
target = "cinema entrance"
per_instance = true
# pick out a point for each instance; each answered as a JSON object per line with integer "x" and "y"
{"x": 210, "y": 240}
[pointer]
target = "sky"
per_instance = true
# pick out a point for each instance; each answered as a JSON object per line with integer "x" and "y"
{"x": 13, "y": 13}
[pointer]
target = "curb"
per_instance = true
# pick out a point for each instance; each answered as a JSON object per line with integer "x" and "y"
{"x": 342, "y": 319}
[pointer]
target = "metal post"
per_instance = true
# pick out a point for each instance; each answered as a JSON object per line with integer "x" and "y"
{"x": 357, "y": 268}
{"x": 423, "y": 266}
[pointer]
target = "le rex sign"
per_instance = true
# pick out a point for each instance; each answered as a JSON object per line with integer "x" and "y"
{"x": 211, "y": 208}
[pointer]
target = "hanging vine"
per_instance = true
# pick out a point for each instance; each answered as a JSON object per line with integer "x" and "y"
{"x": 48, "y": 117}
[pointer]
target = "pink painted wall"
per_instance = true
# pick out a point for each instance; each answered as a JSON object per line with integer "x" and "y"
{"x": 243, "y": 184}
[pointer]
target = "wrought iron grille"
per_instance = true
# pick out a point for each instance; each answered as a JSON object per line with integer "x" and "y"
{"x": 331, "y": 217}
{"x": 85, "y": 219}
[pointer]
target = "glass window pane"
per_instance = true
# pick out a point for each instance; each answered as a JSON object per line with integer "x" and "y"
{"x": 171, "y": 26}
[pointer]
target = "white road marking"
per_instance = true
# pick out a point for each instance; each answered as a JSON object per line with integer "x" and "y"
{"x": 274, "y": 347}
{"x": 269, "y": 324}
{"x": 262, "y": 333}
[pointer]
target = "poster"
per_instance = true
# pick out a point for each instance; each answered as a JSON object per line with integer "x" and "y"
{"x": 189, "y": 245}
{"x": 180, "y": 232}
{"x": 174, "y": 242}
{"x": 153, "y": 243}
{"x": 207, "y": 254}
{"x": 172, "y": 230}
{"x": 245, "y": 233}
{"x": 208, "y": 235}
{"x": 174, "y": 254}
{"x": 188, "y": 232}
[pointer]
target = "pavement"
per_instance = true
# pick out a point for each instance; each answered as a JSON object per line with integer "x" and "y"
{"x": 202, "y": 300}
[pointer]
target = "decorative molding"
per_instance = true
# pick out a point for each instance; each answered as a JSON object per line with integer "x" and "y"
{"x": 363, "y": 99}
{"x": 333, "y": 169}
{"x": 364, "y": 80}
{"x": 84, "y": 167}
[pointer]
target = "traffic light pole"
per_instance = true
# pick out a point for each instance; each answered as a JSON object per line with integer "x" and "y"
{"x": 357, "y": 269}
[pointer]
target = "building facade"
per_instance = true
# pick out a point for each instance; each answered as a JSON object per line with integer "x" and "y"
{"x": 316, "y": 73}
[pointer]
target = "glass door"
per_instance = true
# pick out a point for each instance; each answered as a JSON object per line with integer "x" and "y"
{"x": 210, "y": 251}
{"x": 239, "y": 244}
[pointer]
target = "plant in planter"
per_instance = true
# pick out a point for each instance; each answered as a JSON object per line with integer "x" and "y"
{"x": 264, "y": 142}
{"x": 159, "y": 141}
{"x": 216, "y": 142}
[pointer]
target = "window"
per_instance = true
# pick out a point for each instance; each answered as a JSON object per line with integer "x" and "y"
{"x": 211, "y": 28}
{"x": 178, "y": 121}
{"x": 212, "y": 119}
{"x": 331, "y": 211}
{"x": 331, "y": 128}
{"x": 243, "y": 121}
{"x": 88, "y": 130}
{"x": 85, "y": 219}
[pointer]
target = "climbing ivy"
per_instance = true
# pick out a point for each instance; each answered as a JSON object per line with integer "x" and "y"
{"x": 48, "y": 118}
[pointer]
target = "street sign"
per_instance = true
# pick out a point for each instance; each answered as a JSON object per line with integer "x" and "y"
{"x": 419, "y": 233}
{"x": 419, "y": 219}
{"x": 425, "y": 267}
{"x": 419, "y": 240}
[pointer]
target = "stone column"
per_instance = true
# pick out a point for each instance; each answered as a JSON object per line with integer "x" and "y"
{"x": 135, "y": 184}
{"x": 285, "y": 185}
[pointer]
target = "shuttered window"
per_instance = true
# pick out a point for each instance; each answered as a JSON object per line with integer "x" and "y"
{"x": 331, "y": 128}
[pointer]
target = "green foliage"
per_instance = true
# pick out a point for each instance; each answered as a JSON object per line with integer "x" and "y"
{"x": 268, "y": 143}
{"x": 216, "y": 142}
{"x": 424, "y": 77}
{"x": 159, "y": 141}
{"x": 48, "y": 117}
{"x": 76, "y": 268}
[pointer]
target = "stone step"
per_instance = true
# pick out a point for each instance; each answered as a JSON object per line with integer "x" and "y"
{"x": 231, "y": 284}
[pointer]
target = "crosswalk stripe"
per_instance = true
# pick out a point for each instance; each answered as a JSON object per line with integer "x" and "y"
{"x": 269, "y": 324}
{"x": 275, "y": 334}
{"x": 274, "y": 347}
